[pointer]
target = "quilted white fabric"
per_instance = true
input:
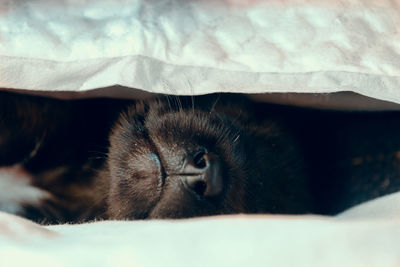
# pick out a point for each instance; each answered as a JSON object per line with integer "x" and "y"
{"x": 195, "y": 47}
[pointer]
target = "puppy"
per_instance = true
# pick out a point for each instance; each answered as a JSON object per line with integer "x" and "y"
{"x": 207, "y": 157}
{"x": 180, "y": 157}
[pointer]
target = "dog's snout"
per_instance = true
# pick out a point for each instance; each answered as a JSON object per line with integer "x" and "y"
{"x": 203, "y": 174}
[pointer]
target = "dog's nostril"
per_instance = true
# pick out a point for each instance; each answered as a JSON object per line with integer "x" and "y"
{"x": 200, "y": 187}
{"x": 199, "y": 160}
{"x": 203, "y": 174}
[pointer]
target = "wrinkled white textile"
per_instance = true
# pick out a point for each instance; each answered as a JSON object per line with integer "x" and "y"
{"x": 367, "y": 235}
{"x": 195, "y": 47}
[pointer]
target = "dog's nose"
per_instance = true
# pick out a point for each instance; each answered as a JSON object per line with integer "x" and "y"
{"x": 203, "y": 174}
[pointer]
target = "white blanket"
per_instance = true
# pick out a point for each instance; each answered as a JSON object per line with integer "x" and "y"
{"x": 367, "y": 235}
{"x": 195, "y": 47}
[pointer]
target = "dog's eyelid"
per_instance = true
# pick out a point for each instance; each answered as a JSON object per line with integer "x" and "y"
{"x": 155, "y": 159}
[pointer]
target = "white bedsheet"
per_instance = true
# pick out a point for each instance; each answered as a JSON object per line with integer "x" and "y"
{"x": 195, "y": 47}
{"x": 367, "y": 235}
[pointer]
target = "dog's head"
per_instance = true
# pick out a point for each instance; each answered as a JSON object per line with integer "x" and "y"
{"x": 172, "y": 158}
{"x": 185, "y": 157}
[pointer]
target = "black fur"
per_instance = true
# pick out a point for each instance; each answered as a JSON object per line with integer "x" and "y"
{"x": 111, "y": 159}
{"x": 262, "y": 169}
